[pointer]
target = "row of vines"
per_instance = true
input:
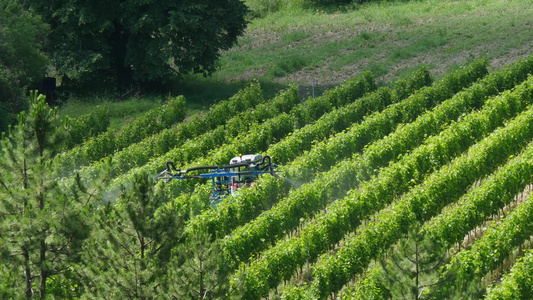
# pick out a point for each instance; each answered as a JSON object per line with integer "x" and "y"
{"x": 362, "y": 166}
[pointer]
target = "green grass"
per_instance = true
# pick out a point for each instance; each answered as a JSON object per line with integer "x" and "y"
{"x": 389, "y": 38}
{"x": 120, "y": 112}
{"x": 292, "y": 42}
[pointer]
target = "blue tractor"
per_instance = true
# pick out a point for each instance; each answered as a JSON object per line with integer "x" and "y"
{"x": 241, "y": 172}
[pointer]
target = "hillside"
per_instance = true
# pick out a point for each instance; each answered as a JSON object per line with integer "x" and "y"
{"x": 302, "y": 45}
{"x": 402, "y": 161}
{"x": 388, "y": 38}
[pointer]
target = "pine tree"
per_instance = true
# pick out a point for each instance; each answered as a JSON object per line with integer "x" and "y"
{"x": 126, "y": 255}
{"x": 196, "y": 270}
{"x": 42, "y": 224}
{"x": 412, "y": 266}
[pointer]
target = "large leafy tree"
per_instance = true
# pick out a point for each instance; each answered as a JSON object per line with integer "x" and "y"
{"x": 132, "y": 41}
{"x": 22, "y": 61}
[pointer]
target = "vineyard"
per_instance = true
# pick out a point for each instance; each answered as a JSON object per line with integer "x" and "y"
{"x": 370, "y": 173}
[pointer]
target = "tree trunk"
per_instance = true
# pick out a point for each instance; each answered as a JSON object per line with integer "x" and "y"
{"x": 42, "y": 265}
{"x": 119, "y": 40}
{"x": 25, "y": 253}
{"x": 44, "y": 273}
{"x": 142, "y": 247}
{"x": 201, "y": 288}
{"x": 27, "y": 274}
{"x": 416, "y": 271}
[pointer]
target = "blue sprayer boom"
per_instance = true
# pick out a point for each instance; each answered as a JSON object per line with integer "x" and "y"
{"x": 241, "y": 172}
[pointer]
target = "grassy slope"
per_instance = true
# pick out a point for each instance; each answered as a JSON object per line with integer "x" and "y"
{"x": 306, "y": 45}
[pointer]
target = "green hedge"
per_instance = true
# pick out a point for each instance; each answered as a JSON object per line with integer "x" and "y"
{"x": 518, "y": 283}
{"x": 421, "y": 203}
{"x": 259, "y": 137}
{"x": 203, "y": 136}
{"x": 87, "y": 126}
{"x": 173, "y": 111}
{"x": 494, "y": 247}
{"x": 346, "y": 215}
{"x": 311, "y": 197}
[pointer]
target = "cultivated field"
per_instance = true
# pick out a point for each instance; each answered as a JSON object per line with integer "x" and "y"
{"x": 363, "y": 167}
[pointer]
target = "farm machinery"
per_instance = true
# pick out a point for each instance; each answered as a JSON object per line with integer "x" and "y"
{"x": 241, "y": 172}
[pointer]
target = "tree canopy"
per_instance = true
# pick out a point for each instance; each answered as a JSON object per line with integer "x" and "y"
{"x": 22, "y": 61}
{"x": 139, "y": 41}
{"x": 42, "y": 223}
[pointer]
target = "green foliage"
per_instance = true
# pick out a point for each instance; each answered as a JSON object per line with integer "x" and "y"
{"x": 474, "y": 207}
{"x": 170, "y": 113}
{"x": 87, "y": 126}
{"x": 350, "y": 91}
{"x": 6, "y": 120}
{"x": 262, "y": 135}
{"x": 261, "y": 8}
{"x": 128, "y": 250}
{"x": 42, "y": 224}
{"x": 368, "y": 287}
{"x": 275, "y": 128}
{"x": 468, "y": 267}
{"x": 22, "y": 61}
{"x": 109, "y": 141}
{"x": 333, "y": 2}
{"x": 380, "y": 163}
{"x": 327, "y": 229}
{"x": 421, "y": 203}
{"x": 305, "y": 201}
{"x": 517, "y": 283}
{"x": 379, "y": 124}
{"x": 287, "y": 65}
{"x": 102, "y": 43}
{"x": 345, "y": 114}
{"x": 197, "y": 270}
{"x": 8, "y": 286}
{"x": 412, "y": 265}
{"x": 192, "y": 139}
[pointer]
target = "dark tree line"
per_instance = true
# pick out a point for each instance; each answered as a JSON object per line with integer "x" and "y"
{"x": 109, "y": 45}
{"x": 22, "y": 60}
{"x": 138, "y": 41}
